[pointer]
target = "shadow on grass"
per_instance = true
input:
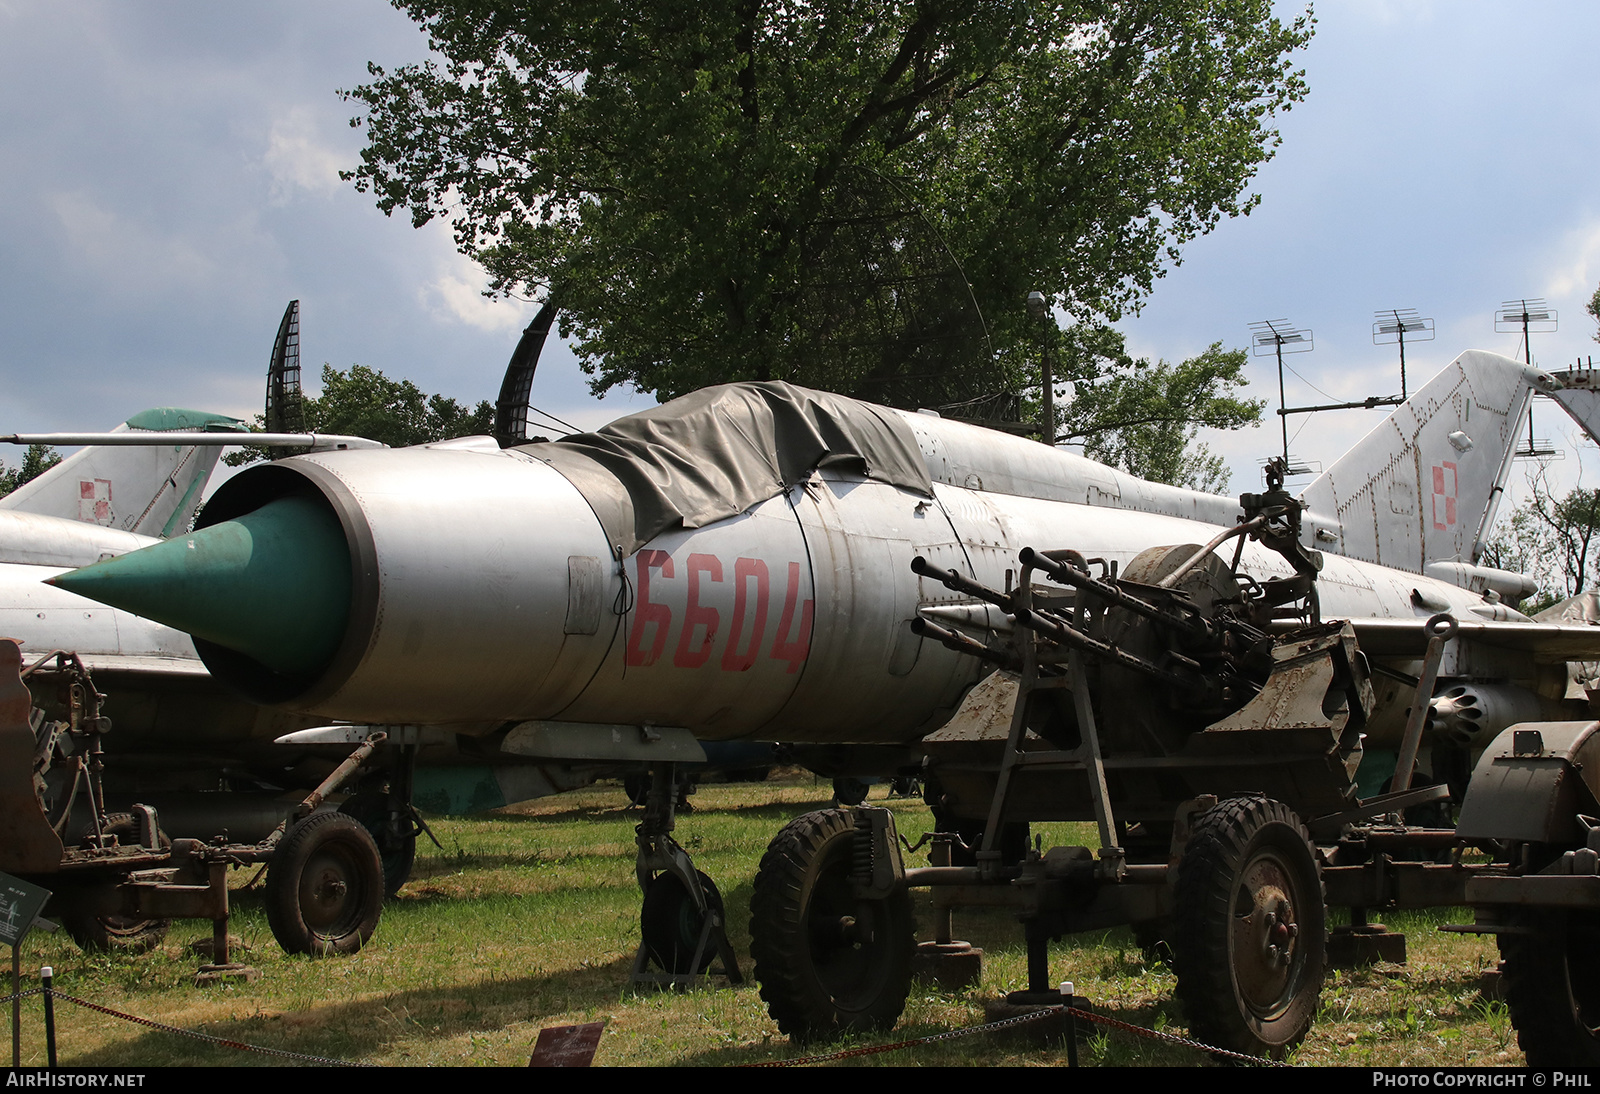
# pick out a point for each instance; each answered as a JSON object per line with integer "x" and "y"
{"x": 632, "y": 814}
{"x": 363, "y": 1028}
{"x": 1098, "y": 1046}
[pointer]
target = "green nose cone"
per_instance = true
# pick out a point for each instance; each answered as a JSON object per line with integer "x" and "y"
{"x": 273, "y": 584}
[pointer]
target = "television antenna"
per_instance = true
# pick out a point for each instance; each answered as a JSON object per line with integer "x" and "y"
{"x": 1392, "y": 325}
{"x": 1527, "y": 317}
{"x": 1274, "y": 338}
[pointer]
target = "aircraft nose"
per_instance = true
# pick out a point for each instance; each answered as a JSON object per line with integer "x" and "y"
{"x": 272, "y": 584}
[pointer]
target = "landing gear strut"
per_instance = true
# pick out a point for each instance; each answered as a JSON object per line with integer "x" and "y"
{"x": 682, "y": 922}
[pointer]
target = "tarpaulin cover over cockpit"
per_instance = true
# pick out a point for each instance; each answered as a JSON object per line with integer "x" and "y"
{"x": 714, "y": 454}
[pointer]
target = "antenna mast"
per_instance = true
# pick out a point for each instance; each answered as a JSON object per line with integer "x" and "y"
{"x": 1527, "y": 316}
{"x": 1268, "y": 338}
{"x": 1393, "y": 325}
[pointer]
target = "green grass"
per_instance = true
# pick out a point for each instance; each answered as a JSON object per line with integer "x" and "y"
{"x": 529, "y": 918}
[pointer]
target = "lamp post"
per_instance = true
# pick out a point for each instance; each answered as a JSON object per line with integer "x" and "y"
{"x": 1039, "y": 308}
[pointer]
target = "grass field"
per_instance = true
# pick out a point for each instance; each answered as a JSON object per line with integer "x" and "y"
{"x": 529, "y": 918}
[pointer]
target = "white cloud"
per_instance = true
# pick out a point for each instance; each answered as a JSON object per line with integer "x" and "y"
{"x": 456, "y": 293}
{"x": 298, "y": 158}
{"x": 1579, "y": 271}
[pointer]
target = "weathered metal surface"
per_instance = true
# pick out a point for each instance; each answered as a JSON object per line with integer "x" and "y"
{"x": 579, "y": 741}
{"x": 27, "y": 843}
{"x": 1389, "y": 884}
{"x": 1523, "y": 793}
{"x": 1536, "y": 890}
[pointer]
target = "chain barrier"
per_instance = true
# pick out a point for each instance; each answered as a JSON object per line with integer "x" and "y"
{"x": 799, "y": 1061}
{"x": 1173, "y": 1039}
{"x": 208, "y": 1038}
{"x": 1021, "y": 1019}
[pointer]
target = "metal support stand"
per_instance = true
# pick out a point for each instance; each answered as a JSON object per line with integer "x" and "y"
{"x": 660, "y": 853}
{"x": 221, "y": 967}
{"x": 1088, "y": 757}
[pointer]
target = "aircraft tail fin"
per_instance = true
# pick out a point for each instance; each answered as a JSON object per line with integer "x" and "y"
{"x": 153, "y": 490}
{"x": 1424, "y": 485}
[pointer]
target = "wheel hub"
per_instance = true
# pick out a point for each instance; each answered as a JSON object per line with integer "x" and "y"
{"x": 1264, "y": 937}
{"x": 324, "y": 891}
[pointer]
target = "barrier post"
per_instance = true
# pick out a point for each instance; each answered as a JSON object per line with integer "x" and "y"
{"x": 46, "y": 975}
{"x": 1067, "y": 1000}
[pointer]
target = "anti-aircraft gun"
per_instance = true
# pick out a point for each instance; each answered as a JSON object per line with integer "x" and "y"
{"x": 1208, "y": 722}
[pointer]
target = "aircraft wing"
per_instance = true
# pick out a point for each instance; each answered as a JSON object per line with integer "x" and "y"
{"x": 1550, "y": 643}
{"x": 144, "y": 666}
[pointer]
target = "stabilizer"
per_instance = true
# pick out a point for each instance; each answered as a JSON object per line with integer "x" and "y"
{"x": 1424, "y": 485}
{"x": 1579, "y": 396}
{"x": 152, "y": 490}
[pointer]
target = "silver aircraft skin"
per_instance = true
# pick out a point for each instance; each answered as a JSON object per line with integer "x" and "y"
{"x": 175, "y": 728}
{"x": 488, "y": 593}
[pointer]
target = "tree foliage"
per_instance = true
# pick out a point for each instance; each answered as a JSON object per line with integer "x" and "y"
{"x": 1554, "y": 540}
{"x": 1593, "y": 308}
{"x": 36, "y": 461}
{"x": 1145, "y": 418}
{"x": 363, "y": 402}
{"x": 766, "y": 191}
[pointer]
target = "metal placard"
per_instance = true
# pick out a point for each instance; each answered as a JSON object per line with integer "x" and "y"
{"x": 20, "y": 903}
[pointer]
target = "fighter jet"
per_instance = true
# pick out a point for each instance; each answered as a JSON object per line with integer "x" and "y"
{"x": 738, "y": 564}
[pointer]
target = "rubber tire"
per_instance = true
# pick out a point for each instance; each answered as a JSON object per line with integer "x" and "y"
{"x": 328, "y": 866}
{"x": 115, "y": 933}
{"x": 1248, "y": 848}
{"x": 1552, "y": 986}
{"x": 669, "y": 923}
{"x": 400, "y": 858}
{"x": 848, "y": 790}
{"x": 817, "y": 984}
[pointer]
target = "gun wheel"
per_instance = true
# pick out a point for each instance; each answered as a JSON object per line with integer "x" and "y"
{"x": 1552, "y": 986}
{"x": 112, "y": 933}
{"x": 828, "y": 963}
{"x": 1249, "y": 928}
{"x": 324, "y": 889}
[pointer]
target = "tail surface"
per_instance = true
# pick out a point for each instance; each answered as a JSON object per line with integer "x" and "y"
{"x": 153, "y": 490}
{"x": 1580, "y": 397}
{"x": 1423, "y": 486}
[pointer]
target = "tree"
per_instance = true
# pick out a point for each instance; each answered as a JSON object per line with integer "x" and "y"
{"x": 36, "y": 461}
{"x": 1593, "y": 308}
{"x": 363, "y": 402}
{"x": 1554, "y": 540}
{"x": 1145, "y": 418}
{"x": 729, "y": 192}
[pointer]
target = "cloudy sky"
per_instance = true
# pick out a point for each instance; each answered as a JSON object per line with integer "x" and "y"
{"x": 169, "y": 180}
